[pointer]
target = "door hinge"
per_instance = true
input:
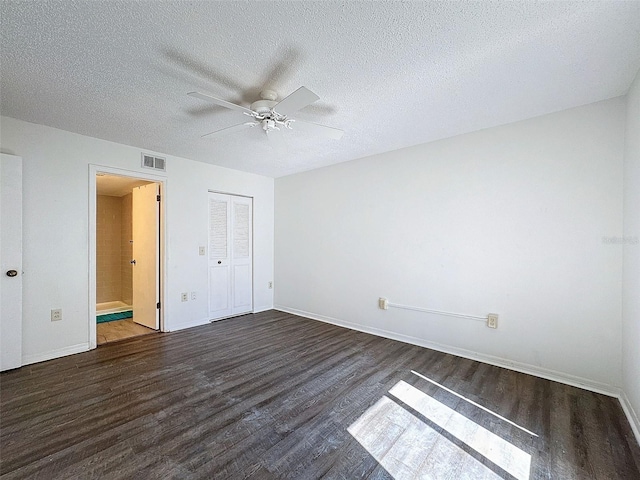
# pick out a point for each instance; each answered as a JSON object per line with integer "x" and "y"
{"x": 158, "y": 198}
{"x": 158, "y": 305}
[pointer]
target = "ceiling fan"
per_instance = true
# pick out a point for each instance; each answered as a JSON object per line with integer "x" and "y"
{"x": 272, "y": 115}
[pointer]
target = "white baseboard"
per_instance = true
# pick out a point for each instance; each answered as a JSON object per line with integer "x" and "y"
{"x": 631, "y": 414}
{"x": 262, "y": 309}
{"x": 191, "y": 323}
{"x": 204, "y": 321}
{"x": 51, "y": 354}
{"x": 548, "y": 374}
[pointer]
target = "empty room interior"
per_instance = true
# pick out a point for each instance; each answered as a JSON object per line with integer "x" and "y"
{"x": 341, "y": 240}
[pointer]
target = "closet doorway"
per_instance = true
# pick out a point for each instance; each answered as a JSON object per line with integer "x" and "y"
{"x": 128, "y": 263}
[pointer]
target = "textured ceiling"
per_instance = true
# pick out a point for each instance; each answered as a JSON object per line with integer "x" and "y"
{"x": 390, "y": 75}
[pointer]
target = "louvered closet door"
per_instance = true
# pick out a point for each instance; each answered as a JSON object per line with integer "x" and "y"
{"x": 230, "y": 256}
{"x": 241, "y": 255}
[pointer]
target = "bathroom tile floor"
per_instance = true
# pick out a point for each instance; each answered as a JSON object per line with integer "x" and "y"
{"x": 119, "y": 330}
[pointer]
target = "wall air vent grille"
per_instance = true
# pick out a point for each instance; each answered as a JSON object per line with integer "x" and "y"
{"x": 157, "y": 163}
{"x": 160, "y": 163}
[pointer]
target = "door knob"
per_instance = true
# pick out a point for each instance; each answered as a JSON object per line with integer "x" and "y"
{"x": 12, "y": 273}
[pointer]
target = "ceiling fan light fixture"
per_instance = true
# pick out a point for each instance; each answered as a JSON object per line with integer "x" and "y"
{"x": 268, "y": 125}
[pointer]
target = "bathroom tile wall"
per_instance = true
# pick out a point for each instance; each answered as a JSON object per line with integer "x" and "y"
{"x": 108, "y": 249}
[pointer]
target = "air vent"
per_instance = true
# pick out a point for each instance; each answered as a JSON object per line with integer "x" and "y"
{"x": 157, "y": 163}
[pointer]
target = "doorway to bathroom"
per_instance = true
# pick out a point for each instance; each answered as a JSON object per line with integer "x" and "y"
{"x": 127, "y": 247}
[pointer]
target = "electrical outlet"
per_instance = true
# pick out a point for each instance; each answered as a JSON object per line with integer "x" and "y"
{"x": 193, "y": 295}
{"x": 270, "y": 284}
{"x": 383, "y": 303}
{"x": 492, "y": 320}
{"x": 184, "y": 297}
{"x": 201, "y": 251}
{"x": 56, "y": 314}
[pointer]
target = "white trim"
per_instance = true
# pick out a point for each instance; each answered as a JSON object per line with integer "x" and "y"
{"x": 262, "y": 309}
{"x": 634, "y": 421}
{"x": 94, "y": 169}
{"x": 191, "y": 323}
{"x": 52, "y": 354}
{"x": 548, "y": 374}
{"x": 234, "y": 194}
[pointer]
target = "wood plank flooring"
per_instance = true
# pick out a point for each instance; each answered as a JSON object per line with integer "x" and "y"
{"x": 273, "y": 395}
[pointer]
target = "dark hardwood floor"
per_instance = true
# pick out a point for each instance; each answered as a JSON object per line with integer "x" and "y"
{"x": 273, "y": 395}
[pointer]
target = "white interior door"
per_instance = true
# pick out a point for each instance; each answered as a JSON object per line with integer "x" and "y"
{"x": 10, "y": 262}
{"x": 230, "y": 255}
{"x": 145, "y": 218}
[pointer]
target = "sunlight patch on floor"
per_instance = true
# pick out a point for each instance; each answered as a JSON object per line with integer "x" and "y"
{"x": 499, "y": 451}
{"x": 408, "y": 448}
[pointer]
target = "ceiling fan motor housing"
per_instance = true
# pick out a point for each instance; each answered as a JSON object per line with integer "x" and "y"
{"x": 268, "y": 101}
{"x": 263, "y": 106}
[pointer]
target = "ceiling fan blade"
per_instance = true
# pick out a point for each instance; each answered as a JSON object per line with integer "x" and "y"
{"x": 287, "y": 63}
{"x": 296, "y": 101}
{"x": 218, "y": 101}
{"x": 316, "y": 129}
{"x": 233, "y": 128}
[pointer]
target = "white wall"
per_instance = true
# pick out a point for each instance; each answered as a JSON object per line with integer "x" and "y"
{"x": 508, "y": 220}
{"x": 631, "y": 281}
{"x": 56, "y": 232}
